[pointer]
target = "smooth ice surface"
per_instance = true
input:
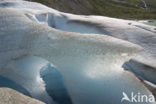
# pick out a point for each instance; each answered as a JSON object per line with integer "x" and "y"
{"x": 88, "y": 60}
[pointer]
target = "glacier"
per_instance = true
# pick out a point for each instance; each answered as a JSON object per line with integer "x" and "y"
{"x": 74, "y": 59}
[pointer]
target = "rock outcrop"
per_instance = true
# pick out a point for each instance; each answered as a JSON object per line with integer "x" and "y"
{"x": 9, "y": 96}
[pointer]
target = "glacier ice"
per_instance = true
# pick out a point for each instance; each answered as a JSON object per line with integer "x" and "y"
{"x": 88, "y": 60}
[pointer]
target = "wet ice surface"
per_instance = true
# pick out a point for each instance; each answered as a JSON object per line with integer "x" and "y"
{"x": 42, "y": 51}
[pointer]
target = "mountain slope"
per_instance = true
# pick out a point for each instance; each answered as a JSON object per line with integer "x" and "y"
{"x": 70, "y": 6}
{"x": 123, "y": 9}
{"x": 138, "y": 9}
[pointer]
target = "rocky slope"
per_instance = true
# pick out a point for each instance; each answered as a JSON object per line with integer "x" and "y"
{"x": 71, "y": 6}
